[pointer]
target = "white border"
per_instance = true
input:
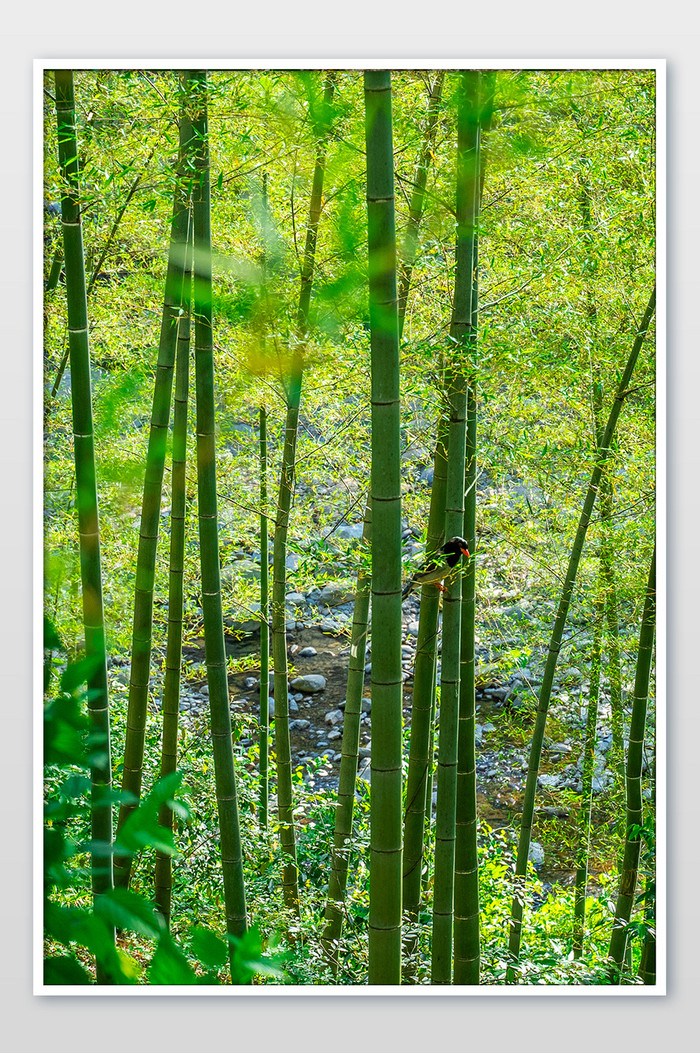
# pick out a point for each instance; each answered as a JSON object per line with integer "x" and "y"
{"x": 39, "y": 988}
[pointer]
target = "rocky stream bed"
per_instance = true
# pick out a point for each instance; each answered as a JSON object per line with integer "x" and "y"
{"x": 318, "y": 628}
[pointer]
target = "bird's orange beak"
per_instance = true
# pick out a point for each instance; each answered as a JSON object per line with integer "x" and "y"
{"x": 465, "y": 551}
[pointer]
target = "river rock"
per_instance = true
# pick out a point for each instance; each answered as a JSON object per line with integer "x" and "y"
{"x": 334, "y": 716}
{"x": 308, "y": 652}
{"x": 536, "y": 853}
{"x": 299, "y": 725}
{"x": 332, "y": 596}
{"x": 551, "y": 781}
{"x": 350, "y": 531}
{"x": 309, "y": 684}
{"x": 295, "y": 599}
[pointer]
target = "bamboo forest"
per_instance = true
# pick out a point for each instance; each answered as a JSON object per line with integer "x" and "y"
{"x": 349, "y": 476}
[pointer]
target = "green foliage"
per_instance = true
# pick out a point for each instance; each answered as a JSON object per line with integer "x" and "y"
{"x": 71, "y": 931}
{"x": 536, "y": 371}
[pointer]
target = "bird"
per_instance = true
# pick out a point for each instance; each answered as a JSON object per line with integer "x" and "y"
{"x": 437, "y": 569}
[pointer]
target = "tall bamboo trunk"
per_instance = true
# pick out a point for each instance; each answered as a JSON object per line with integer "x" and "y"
{"x": 557, "y": 630}
{"x": 385, "y": 835}
{"x": 418, "y": 779}
{"x": 264, "y": 631}
{"x": 86, "y": 492}
{"x": 466, "y": 939}
{"x": 173, "y": 653}
{"x": 635, "y": 757}
{"x": 215, "y": 652}
{"x": 290, "y": 877}
{"x": 457, "y": 362}
{"x": 409, "y": 247}
{"x": 588, "y": 764}
{"x": 152, "y": 492}
{"x": 342, "y": 834}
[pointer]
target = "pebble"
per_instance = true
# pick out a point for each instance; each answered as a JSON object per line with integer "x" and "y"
{"x": 308, "y": 652}
{"x": 334, "y": 716}
{"x": 310, "y": 684}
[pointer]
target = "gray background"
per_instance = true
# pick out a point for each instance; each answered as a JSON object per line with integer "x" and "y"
{"x": 362, "y": 28}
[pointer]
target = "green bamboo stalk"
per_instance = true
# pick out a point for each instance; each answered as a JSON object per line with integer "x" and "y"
{"x": 387, "y": 681}
{"x": 418, "y": 805}
{"x": 479, "y": 97}
{"x": 342, "y": 834}
{"x": 419, "y": 776}
{"x": 630, "y": 862}
{"x": 456, "y": 365}
{"x": 588, "y": 764}
{"x": 54, "y": 272}
{"x": 558, "y": 627}
{"x": 647, "y": 962}
{"x": 290, "y": 878}
{"x": 409, "y": 247}
{"x": 173, "y": 653}
{"x": 215, "y": 652}
{"x": 264, "y": 743}
{"x": 86, "y": 492}
{"x": 151, "y": 503}
{"x": 264, "y": 631}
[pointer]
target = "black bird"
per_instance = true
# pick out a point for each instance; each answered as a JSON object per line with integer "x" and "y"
{"x": 437, "y": 569}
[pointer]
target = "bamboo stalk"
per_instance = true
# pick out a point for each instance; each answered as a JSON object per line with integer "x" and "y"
{"x": 173, "y": 653}
{"x": 457, "y": 363}
{"x": 215, "y": 652}
{"x": 151, "y": 503}
{"x": 264, "y": 631}
{"x": 584, "y": 833}
{"x": 342, "y": 833}
{"x": 630, "y": 862}
{"x": 409, "y": 247}
{"x": 290, "y": 877}
{"x": 386, "y": 806}
{"x": 476, "y": 119}
{"x": 86, "y": 495}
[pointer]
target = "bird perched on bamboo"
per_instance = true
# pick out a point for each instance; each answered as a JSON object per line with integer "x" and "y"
{"x": 440, "y": 567}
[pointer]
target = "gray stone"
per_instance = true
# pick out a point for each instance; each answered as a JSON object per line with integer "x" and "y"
{"x": 299, "y": 725}
{"x": 334, "y": 716}
{"x": 309, "y": 684}
{"x": 536, "y": 853}
{"x": 308, "y": 652}
{"x": 295, "y": 599}
{"x": 333, "y": 735}
{"x": 548, "y": 780}
{"x": 332, "y": 596}
{"x": 350, "y": 531}
{"x": 366, "y": 705}
{"x": 412, "y": 628}
{"x": 559, "y": 747}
